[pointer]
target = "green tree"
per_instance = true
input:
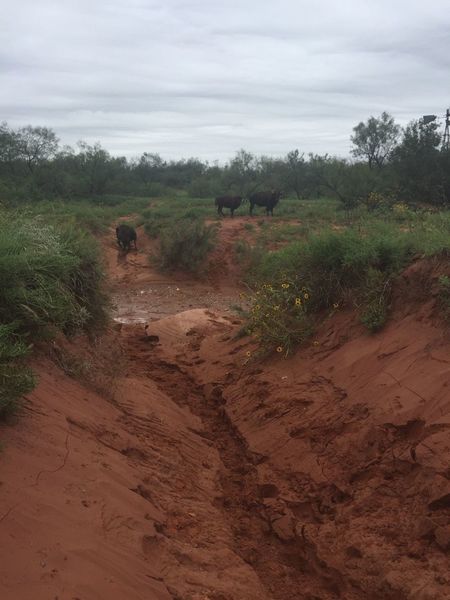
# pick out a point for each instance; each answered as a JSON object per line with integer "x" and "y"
{"x": 419, "y": 163}
{"x": 349, "y": 183}
{"x": 297, "y": 172}
{"x": 149, "y": 167}
{"x": 242, "y": 172}
{"x": 9, "y": 145}
{"x": 36, "y": 144}
{"x": 95, "y": 163}
{"x": 375, "y": 139}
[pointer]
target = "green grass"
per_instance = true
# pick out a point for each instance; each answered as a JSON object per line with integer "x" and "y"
{"x": 353, "y": 266}
{"x": 165, "y": 212}
{"x": 52, "y": 281}
{"x": 94, "y": 216}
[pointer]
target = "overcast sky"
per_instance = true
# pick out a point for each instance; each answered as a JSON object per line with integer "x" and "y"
{"x": 205, "y": 77}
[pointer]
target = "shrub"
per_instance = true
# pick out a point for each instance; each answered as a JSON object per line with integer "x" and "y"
{"x": 185, "y": 245}
{"x": 278, "y": 316}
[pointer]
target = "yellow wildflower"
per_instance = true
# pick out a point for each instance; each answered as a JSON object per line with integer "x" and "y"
{"x": 335, "y": 305}
{"x": 298, "y": 302}
{"x": 285, "y": 285}
{"x": 279, "y": 349}
{"x": 306, "y": 296}
{"x": 248, "y": 353}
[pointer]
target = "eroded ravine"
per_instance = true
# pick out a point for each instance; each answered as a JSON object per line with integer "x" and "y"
{"x": 337, "y": 504}
{"x": 285, "y": 561}
{"x": 190, "y": 472}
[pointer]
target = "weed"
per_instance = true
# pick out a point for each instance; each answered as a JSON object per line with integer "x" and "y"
{"x": 375, "y": 295}
{"x": 278, "y": 317}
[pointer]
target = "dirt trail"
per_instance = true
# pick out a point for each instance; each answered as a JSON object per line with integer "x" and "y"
{"x": 203, "y": 475}
{"x": 142, "y": 294}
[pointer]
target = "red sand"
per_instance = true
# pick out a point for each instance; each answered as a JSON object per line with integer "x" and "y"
{"x": 210, "y": 477}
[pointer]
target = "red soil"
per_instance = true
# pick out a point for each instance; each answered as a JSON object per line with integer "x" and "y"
{"x": 203, "y": 475}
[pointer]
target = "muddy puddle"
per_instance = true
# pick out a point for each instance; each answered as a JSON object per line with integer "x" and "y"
{"x": 156, "y": 301}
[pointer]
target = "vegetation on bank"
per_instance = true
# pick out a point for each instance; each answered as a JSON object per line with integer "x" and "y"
{"x": 51, "y": 281}
{"x": 295, "y": 287}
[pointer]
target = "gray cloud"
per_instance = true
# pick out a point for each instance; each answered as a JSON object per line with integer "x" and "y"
{"x": 205, "y": 78}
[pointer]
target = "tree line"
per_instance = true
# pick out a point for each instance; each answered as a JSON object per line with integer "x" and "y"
{"x": 406, "y": 165}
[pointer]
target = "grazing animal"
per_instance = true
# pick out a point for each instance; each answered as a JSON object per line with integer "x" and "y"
{"x": 231, "y": 202}
{"x": 267, "y": 199}
{"x": 126, "y": 235}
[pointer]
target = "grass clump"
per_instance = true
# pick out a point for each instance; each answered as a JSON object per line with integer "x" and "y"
{"x": 51, "y": 281}
{"x": 185, "y": 245}
{"x": 52, "y": 278}
{"x": 375, "y": 294}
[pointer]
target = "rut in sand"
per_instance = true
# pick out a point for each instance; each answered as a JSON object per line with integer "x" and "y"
{"x": 285, "y": 561}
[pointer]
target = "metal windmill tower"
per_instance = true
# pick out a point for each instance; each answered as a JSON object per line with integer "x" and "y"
{"x": 446, "y": 137}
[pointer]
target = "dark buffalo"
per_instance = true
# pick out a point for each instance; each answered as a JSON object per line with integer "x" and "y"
{"x": 126, "y": 235}
{"x": 231, "y": 202}
{"x": 266, "y": 199}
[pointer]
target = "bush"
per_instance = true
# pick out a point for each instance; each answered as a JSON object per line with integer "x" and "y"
{"x": 185, "y": 245}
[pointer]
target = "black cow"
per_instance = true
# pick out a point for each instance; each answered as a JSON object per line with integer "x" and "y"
{"x": 267, "y": 199}
{"x": 231, "y": 202}
{"x": 126, "y": 235}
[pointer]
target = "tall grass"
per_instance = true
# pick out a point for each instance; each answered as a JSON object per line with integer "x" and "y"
{"x": 51, "y": 281}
